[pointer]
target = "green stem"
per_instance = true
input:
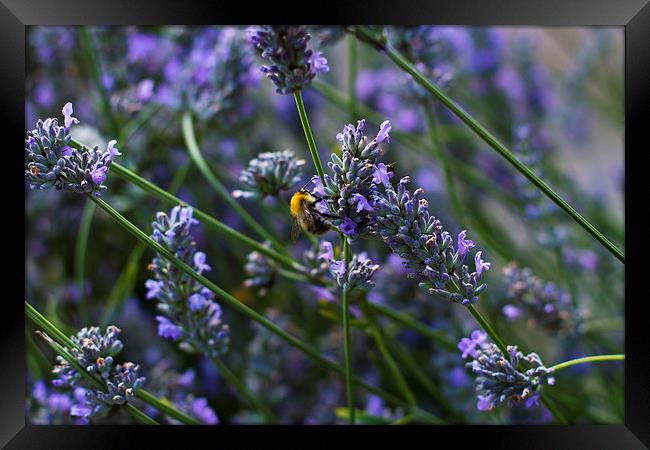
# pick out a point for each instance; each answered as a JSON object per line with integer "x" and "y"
{"x": 346, "y": 333}
{"x": 456, "y": 205}
{"x": 166, "y": 408}
{"x": 488, "y": 329}
{"x": 80, "y": 257}
{"x": 490, "y": 139}
{"x": 243, "y": 390}
{"x": 553, "y": 409}
{"x": 205, "y": 218}
{"x": 352, "y": 77}
{"x": 414, "y": 324}
{"x": 588, "y": 359}
{"x": 59, "y": 339}
{"x": 421, "y": 377}
{"x": 309, "y": 135}
{"x": 378, "y": 336}
{"x": 126, "y": 280}
{"x": 90, "y": 53}
{"x": 252, "y": 314}
{"x": 195, "y": 153}
{"x": 140, "y": 416}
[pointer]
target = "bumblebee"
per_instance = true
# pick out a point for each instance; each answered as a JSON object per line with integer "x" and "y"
{"x": 306, "y": 216}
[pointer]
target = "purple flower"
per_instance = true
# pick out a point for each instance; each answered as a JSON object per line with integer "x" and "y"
{"x": 381, "y": 175}
{"x": 167, "y": 329}
{"x": 197, "y": 302}
{"x": 384, "y": 129}
{"x": 362, "y": 203}
{"x": 484, "y": 403}
{"x": 512, "y": 312}
{"x": 202, "y": 411}
{"x": 480, "y": 264}
{"x": 464, "y": 244}
{"x": 144, "y": 90}
{"x": 327, "y": 251}
{"x": 80, "y": 411}
{"x": 199, "y": 262}
{"x": 153, "y": 288}
{"x": 317, "y": 188}
{"x": 348, "y": 226}
{"x": 338, "y": 268}
{"x": 67, "y": 114}
{"x": 99, "y": 175}
{"x": 468, "y": 345}
{"x": 319, "y": 63}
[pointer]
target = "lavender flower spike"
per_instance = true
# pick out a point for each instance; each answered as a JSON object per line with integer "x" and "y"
{"x": 97, "y": 354}
{"x": 404, "y": 222}
{"x": 497, "y": 378}
{"x": 269, "y": 174}
{"x": 190, "y": 314}
{"x": 292, "y": 65}
{"x": 51, "y": 162}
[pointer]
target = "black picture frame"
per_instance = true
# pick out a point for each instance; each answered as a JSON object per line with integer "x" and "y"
{"x": 633, "y": 15}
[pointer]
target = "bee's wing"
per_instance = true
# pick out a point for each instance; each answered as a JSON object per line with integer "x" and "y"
{"x": 295, "y": 230}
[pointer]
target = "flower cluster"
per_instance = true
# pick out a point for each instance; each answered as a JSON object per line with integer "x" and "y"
{"x": 213, "y": 77}
{"x": 51, "y": 407}
{"x": 352, "y": 191}
{"x": 419, "y": 239}
{"x": 176, "y": 387}
{"x": 292, "y": 64}
{"x": 497, "y": 378}
{"x": 96, "y": 354}
{"x": 269, "y": 174}
{"x": 428, "y": 49}
{"x": 546, "y": 304}
{"x": 51, "y": 162}
{"x": 191, "y": 316}
{"x": 260, "y": 271}
{"x": 358, "y": 274}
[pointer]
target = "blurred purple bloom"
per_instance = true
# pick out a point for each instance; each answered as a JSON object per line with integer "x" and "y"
{"x": 167, "y": 329}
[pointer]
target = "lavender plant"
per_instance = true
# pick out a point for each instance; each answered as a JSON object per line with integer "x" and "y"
{"x": 96, "y": 352}
{"x": 51, "y": 162}
{"x": 190, "y": 317}
{"x": 497, "y": 378}
{"x": 292, "y": 64}
{"x": 269, "y": 174}
{"x": 545, "y": 304}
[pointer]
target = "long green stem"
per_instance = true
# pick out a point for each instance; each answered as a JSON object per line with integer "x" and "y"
{"x": 80, "y": 257}
{"x": 488, "y": 329}
{"x": 166, "y": 408}
{"x": 309, "y": 135}
{"x": 59, "y": 337}
{"x": 489, "y": 138}
{"x": 243, "y": 390}
{"x": 588, "y": 359}
{"x": 252, "y": 314}
{"x": 91, "y": 55}
{"x": 378, "y": 336}
{"x": 352, "y": 77}
{"x": 414, "y": 324}
{"x": 196, "y": 155}
{"x": 205, "y": 218}
{"x": 126, "y": 280}
{"x": 345, "y": 304}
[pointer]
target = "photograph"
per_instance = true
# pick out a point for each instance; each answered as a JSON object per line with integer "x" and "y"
{"x": 324, "y": 225}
